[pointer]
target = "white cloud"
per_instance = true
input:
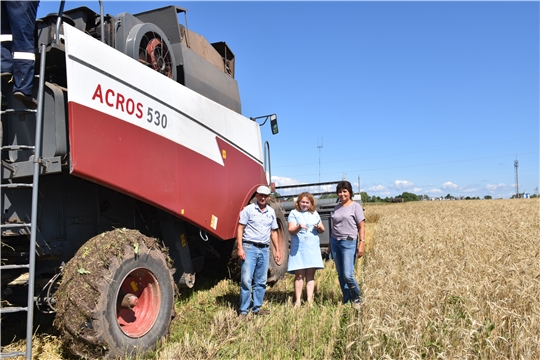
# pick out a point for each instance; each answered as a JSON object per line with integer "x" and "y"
{"x": 416, "y": 190}
{"x": 327, "y": 188}
{"x": 402, "y": 184}
{"x": 435, "y": 191}
{"x": 377, "y": 188}
{"x": 284, "y": 181}
{"x": 496, "y": 187}
{"x": 449, "y": 185}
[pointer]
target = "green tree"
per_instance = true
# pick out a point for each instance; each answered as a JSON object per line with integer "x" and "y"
{"x": 364, "y": 196}
{"x": 407, "y": 196}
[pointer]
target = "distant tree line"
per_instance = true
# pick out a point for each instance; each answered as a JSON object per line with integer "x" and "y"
{"x": 406, "y": 197}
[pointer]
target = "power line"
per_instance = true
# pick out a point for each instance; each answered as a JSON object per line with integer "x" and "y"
{"x": 406, "y": 166}
{"x": 403, "y": 154}
{"x": 319, "y": 147}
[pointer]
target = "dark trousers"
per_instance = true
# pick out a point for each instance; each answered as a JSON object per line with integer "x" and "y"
{"x": 17, "y": 35}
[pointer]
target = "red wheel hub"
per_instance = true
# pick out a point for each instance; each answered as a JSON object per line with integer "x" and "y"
{"x": 140, "y": 289}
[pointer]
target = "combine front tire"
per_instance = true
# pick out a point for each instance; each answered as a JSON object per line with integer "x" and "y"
{"x": 277, "y": 271}
{"x": 116, "y": 297}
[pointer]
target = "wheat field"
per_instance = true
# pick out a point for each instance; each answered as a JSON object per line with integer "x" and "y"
{"x": 452, "y": 280}
{"x": 440, "y": 280}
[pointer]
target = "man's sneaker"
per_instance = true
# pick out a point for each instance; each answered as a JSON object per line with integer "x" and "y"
{"x": 242, "y": 316}
{"x": 27, "y": 101}
{"x": 262, "y": 312}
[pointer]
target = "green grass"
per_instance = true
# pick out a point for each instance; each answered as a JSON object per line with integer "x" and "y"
{"x": 207, "y": 325}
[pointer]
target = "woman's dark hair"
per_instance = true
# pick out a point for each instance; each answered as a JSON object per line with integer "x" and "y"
{"x": 344, "y": 185}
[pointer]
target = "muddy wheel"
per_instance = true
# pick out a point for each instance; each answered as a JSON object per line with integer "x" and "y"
{"x": 277, "y": 271}
{"x": 117, "y": 296}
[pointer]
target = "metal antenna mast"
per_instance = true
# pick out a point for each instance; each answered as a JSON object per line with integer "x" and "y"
{"x": 319, "y": 146}
{"x": 516, "y": 165}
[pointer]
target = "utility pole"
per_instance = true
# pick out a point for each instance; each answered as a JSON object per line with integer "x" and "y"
{"x": 516, "y": 165}
{"x": 319, "y": 146}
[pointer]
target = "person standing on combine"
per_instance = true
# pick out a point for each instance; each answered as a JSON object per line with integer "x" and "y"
{"x": 17, "y": 46}
{"x": 256, "y": 226}
{"x": 305, "y": 256}
{"x": 347, "y": 241}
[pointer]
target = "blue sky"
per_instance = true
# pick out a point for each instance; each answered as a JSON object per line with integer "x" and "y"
{"x": 432, "y": 98}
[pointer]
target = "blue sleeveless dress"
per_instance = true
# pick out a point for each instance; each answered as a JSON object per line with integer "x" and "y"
{"x": 305, "y": 248}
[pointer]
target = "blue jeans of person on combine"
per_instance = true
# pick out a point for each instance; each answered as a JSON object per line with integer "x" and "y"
{"x": 344, "y": 254}
{"x": 253, "y": 277}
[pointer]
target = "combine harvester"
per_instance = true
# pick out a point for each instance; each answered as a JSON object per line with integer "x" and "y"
{"x": 128, "y": 177}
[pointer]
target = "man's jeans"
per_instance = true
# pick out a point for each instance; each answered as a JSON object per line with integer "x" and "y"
{"x": 344, "y": 254}
{"x": 254, "y": 270}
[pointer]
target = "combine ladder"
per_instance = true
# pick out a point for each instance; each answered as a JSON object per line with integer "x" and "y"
{"x": 33, "y": 219}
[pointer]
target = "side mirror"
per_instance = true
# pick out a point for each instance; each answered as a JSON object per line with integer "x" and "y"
{"x": 273, "y": 124}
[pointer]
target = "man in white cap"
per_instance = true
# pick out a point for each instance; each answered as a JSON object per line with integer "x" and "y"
{"x": 256, "y": 226}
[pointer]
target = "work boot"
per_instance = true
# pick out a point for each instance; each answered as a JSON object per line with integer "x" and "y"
{"x": 27, "y": 100}
{"x": 6, "y": 76}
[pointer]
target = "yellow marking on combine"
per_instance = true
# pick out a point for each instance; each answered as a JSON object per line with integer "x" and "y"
{"x": 183, "y": 240}
{"x": 213, "y": 222}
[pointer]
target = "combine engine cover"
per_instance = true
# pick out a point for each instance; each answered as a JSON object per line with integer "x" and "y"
{"x": 149, "y": 137}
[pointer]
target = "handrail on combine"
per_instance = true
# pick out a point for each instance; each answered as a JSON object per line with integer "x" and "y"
{"x": 287, "y": 201}
{"x": 313, "y": 185}
{"x": 59, "y": 21}
{"x": 267, "y": 154}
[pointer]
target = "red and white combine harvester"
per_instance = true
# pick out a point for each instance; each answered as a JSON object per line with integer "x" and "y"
{"x": 126, "y": 180}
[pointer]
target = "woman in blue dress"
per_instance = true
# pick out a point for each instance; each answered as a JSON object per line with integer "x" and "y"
{"x": 305, "y": 256}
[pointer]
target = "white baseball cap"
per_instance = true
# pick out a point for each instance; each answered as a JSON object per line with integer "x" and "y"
{"x": 263, "y": 190}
